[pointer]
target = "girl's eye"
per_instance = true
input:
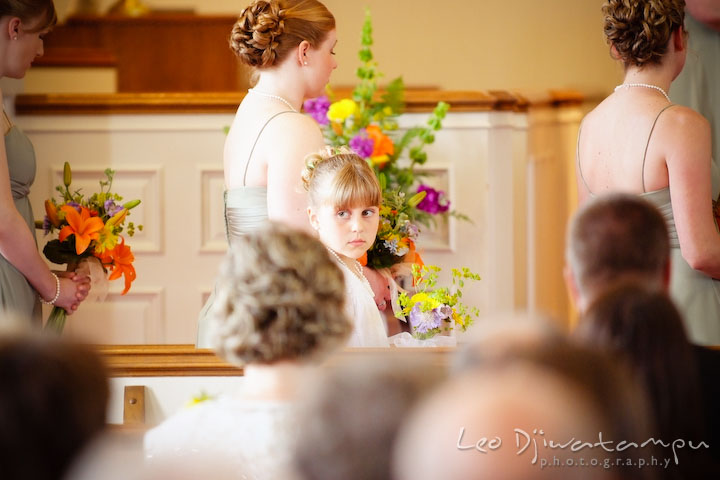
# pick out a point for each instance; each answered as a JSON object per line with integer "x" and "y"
{"x": 342, "y": 213}
{"x": 368, "y": 213}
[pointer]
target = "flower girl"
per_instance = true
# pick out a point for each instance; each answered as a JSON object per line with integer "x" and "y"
{"x": 344, "y": 199}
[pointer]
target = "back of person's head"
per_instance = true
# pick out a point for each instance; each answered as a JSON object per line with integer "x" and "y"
{"x": 351, "y": 417}
{"x": 645, "y": 327}
{"x": 496, "y": 338}
{"x": 53, "y": 401}
{"x": 279, "y": 297}
{"x": 639, "y": 30}
{"x": 616, "y": 236}
{"x": 489, "y": 421}
{"x": 268, "y": 30}
{"x": 341, "y": 178}
{"x": 29, "y": 12}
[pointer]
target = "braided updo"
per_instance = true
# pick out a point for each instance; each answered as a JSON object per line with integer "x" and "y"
{"x": 639, "y": 30}
{"x": 267, "y": 30}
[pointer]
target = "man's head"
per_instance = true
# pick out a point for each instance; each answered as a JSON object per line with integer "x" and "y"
{"x": 615, "y": 237}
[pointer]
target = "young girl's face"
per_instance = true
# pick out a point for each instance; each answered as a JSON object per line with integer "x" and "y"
{"x": 348, "y": 231}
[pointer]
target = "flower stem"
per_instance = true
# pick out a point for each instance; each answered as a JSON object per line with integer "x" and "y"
{"x": 56, "y": 320}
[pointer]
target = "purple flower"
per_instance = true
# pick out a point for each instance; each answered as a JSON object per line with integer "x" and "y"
{"x": 75, "y": 205}
{"x": 423, "y": 322}
{"x": 46, "y": 225}
{"x": 434, "y": 202}
{"x": 110, "y": 208}
{"x": 362, "y": 144}
{"x": 318, "y": 108}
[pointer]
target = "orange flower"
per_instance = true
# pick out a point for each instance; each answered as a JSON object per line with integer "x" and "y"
{"x": 82, "y": 225}
{"x": 383, "y": 144}
{"x": 363, "y": 260}
{"x": 119, "y": 260}
{"x": 51, "y": 211}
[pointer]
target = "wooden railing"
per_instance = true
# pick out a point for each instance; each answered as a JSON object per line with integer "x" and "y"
{"x": 416, "y": 100}
{"x": 187, "y": 361}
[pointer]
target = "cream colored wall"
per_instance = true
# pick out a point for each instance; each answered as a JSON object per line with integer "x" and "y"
{"x": 462, "y": 44}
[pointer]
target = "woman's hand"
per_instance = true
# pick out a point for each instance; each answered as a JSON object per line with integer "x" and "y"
{"x": 74, "y": 288}
{"x": 380, "y": 286}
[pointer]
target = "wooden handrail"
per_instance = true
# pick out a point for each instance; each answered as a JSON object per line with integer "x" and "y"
{"x": 187, "y": 361}
{"x": 416, "y": 100}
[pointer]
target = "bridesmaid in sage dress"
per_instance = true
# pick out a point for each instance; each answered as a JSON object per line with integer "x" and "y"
{"x": 290, "y": 45}
{"x": 638, "y": 141}
{"x": 25, "y": 278}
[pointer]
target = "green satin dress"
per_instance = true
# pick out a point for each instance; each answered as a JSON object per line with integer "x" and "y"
{"x": 245, "y": 211}
{"x": 16, "y": 294}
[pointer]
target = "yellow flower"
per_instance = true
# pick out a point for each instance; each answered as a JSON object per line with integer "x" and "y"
{"x": 108, "y": 239}
{"x": 380, "y": 160}
{"x": 339, "y": 111}
{"x": 426, "y": 302}
{"x": 384, "y": 210}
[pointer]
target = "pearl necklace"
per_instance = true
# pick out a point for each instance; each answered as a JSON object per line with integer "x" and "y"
{"x": 644, "y": 85}
{"x": 358, "y": 267}
{"x": 276, "y": 97}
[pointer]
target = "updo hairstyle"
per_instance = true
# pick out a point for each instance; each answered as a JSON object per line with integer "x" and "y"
{"x": 279, "y": 296}
{"x": 268, "y": 30}
{"x": 352, "y": 181}
{"x": 30, "y": 10}
{"x": 639, "y": 30}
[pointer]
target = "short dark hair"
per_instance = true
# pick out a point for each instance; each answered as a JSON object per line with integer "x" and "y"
{"x": 53, "y": 402}
{"x": 615, "y": 236}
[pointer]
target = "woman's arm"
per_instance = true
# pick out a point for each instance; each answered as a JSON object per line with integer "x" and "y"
{"x": 18, "y": 246}
{"x": 687, "y": 136}
{"x": 705, "y": 11}
{"x": 297, "y": 136}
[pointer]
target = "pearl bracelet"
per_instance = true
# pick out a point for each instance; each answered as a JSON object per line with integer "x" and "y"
{"x": 57, "y": 291}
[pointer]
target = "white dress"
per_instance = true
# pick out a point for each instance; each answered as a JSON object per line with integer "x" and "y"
{"x": 368, "y": 325}
{"x": 253, "y": 438}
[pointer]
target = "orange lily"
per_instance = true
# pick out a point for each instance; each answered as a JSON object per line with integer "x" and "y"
{"x": 51, "y": 211}
{"x": 383, "y": 144}
{"x": 82, "y": 225}
{"x": 119, "y": 260}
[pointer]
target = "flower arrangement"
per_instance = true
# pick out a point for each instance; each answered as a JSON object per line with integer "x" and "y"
{"x": 432, "y": 310}
{"x": 367, "y": 124}
{"x": 89, "y": 234}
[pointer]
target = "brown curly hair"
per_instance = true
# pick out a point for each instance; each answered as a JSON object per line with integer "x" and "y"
{"x": 352, "y": 180}
{"x": 268, "y": 30}
{"x": 639, "y": 30}
{"x": 279, "y": 296}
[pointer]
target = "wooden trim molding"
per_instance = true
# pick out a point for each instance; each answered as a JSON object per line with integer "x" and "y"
{"x": 164, "y": 361}
{"x": 416, "y": 100}
{"x": 188, "y": 361}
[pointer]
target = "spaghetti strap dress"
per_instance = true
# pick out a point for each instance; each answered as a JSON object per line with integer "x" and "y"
{"x": 245, "y": 211}
{"x": 696, "y": 295}
{"x": 17, "y": 296}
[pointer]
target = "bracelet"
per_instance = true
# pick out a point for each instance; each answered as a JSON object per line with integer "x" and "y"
{"x": 57, "y": 291}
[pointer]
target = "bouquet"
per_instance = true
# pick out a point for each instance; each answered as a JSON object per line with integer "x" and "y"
{"x": 367, "y": 124}
{"x": 432, "y": 310}
{"x": 89, "y": 239}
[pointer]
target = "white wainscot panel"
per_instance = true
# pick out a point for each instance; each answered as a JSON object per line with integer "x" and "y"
{"x": 212, "y": 217}
{"x": 144, "y": 183}
{"x": 133, "y": 318}
{"x": 440, "y": 235}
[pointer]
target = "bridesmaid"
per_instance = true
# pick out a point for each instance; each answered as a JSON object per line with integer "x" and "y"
{"x": 290, "y": 44}
{"x": 25, "y": 279}
{"x": 637, "y": 141}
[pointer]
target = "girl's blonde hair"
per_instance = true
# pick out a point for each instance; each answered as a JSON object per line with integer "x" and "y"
{"x": 341, "y": 178}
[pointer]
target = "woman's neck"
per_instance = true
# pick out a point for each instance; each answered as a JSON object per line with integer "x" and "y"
{"x": 275, "y": 83}
{"x": 276, "y": 381}
{"x": 649, "y": 75}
